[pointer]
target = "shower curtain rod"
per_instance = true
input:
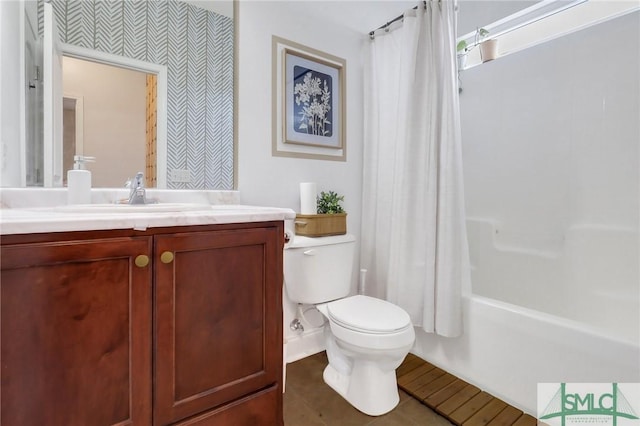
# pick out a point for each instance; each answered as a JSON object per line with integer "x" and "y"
{"x": 386, "y": 26}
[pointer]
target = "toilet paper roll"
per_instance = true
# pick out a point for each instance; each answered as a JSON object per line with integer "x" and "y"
{"x": 308, "y": 193}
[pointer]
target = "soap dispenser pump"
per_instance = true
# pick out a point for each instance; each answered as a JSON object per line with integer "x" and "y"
{"x": 79, "y": 181}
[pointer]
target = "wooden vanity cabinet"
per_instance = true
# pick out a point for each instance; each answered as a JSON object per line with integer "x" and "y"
{"x": 75, "y": 343}
{"x": 192, "y": 338}
{"x": 218, "y": 328}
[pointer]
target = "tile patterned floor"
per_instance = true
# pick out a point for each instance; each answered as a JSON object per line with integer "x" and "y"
{"x": 308, "y": 401}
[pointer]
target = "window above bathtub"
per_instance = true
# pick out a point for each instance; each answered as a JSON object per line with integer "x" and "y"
{"x": 544, "y": 21}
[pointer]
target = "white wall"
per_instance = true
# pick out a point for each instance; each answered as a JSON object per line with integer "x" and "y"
{"x": 550, "y": 135}
{"x": 550, "y": 140}
{"x": 474, "y": 14}
{"x": 274, "y": 181}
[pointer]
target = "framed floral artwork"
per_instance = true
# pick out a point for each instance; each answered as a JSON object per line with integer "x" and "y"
{"x": 309, "y": 102}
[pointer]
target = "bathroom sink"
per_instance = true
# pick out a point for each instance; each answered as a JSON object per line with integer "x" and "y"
{"x": 134, "y": 208}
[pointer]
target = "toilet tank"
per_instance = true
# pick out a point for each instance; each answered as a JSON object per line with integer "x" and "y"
{"x": 318, "y": 270}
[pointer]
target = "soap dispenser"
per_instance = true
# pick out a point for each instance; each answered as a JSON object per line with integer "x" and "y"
{"x": 79, "y": 181}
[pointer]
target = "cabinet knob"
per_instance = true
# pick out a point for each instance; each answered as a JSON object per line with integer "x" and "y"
{"x": 166, "y": 257}
{"x": 142, "y": 260}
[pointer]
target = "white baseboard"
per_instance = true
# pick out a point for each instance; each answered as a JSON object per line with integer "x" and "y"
{"x": 304, "y": 345}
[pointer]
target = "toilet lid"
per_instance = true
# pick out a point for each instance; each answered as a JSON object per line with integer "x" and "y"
{"x": 367, "y": 314}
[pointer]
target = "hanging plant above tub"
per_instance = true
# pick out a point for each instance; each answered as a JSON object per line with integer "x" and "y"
{"x": 488, "y": 48}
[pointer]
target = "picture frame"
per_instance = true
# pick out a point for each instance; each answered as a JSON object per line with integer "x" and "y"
{"x": 312, "y": 113}
{"x": 309, "y": 98}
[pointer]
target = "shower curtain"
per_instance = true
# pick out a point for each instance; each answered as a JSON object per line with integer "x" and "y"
{"x": 414, "y": 242}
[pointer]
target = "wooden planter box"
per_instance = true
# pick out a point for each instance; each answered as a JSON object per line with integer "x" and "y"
{"x": 321, "y": 225}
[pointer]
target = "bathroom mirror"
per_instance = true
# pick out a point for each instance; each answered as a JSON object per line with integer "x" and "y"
{"x": 114, "y": 109}
{"x": 194, "y": 42}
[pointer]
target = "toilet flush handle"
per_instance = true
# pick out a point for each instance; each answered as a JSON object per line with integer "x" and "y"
{"x": 309, "y": 253}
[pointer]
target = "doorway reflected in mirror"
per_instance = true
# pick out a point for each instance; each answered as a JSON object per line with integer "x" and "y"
{"x": 105, "y": 116}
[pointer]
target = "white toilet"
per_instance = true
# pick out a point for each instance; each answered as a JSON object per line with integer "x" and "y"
{"x": 367, "y": 338}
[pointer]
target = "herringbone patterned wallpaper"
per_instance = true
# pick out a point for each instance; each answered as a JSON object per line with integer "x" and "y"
{"x": 196, "y": 45}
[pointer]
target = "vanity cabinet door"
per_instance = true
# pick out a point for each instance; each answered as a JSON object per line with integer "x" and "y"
{"x": 76, "y": 332}
{"x": 218, "y": 325}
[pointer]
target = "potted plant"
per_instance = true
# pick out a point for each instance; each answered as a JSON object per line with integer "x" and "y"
{"x": 330, "y": 220}
{"x": 461, "y": 51}
{"x": 329, "y": 203}
{"x": 488, "y": 48}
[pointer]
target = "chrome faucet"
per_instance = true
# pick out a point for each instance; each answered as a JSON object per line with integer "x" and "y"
{"x": 137, "y": 193}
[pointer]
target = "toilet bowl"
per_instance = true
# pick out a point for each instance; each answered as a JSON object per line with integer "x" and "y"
{"x": 366, "y": 338}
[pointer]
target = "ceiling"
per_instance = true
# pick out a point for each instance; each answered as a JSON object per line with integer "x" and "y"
{"x": 363, "y": 16}
{"x": 360, "y": 16}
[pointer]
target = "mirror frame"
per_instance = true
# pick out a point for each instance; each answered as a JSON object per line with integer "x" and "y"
{"x": 72, "y": 51}
{"x": 236, "y": 68}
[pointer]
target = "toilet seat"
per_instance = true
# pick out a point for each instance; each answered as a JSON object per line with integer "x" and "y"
{"x": 369, "y": 323}
{"x": 368, "y": 315}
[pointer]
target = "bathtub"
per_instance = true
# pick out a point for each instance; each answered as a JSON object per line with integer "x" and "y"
{"x": 565, "y": 311}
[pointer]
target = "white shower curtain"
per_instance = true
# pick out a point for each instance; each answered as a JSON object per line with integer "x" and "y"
{"x": 414, "y": 243}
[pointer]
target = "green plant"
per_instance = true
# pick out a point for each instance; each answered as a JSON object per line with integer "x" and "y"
{"x": 481, "y": 34}
{"x": 463, "y": 46}
{"x": 329, "y": 203}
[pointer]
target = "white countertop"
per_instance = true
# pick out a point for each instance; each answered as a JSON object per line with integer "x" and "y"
{"x": 39, "y": 210}
{"x": 39, "y": 220}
